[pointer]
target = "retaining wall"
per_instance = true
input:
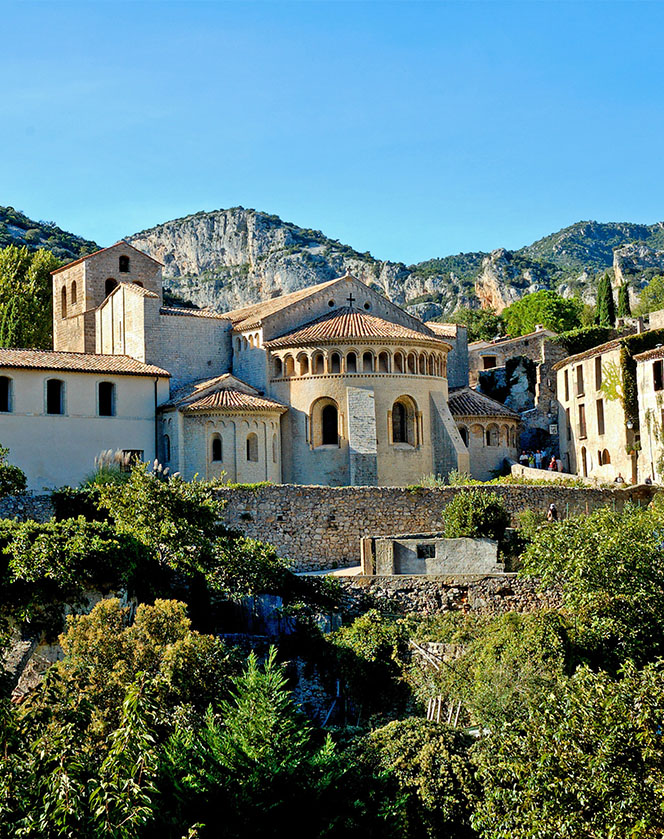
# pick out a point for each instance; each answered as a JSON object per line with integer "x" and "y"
{"x": 321, "y": 527}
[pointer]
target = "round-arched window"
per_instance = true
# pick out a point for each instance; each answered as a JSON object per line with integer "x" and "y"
{"x": 330, "y": 425}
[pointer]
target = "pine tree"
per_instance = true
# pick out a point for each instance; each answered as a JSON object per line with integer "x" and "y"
{"x": 624, "y": 309}
{"x": 606, "y": 312}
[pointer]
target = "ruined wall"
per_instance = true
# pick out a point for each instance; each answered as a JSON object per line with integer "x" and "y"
{"x": 321, "y": 527}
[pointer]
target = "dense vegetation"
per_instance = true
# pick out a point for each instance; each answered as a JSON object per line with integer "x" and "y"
{"x": 152, "y": 726}
{"x": 25, "y": 297}
{"x": 17, "y": 229}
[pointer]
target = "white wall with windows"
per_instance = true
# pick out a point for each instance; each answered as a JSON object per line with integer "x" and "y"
{"x": 55, "y": 423}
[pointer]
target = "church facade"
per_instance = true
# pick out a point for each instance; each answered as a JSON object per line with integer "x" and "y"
{"x": 331, "y": 385}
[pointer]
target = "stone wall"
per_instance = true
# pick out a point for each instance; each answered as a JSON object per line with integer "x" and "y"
{"x": 321, "y": 527}
{"x": 484, "y": 595}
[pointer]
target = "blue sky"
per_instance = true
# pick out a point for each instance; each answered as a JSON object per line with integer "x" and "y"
{"x": 409, "y": 129}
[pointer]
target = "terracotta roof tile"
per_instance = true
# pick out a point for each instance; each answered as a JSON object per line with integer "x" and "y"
{"x": 348, "y": 322}
{"x": 573, "y": 359}
{"x": 222, "y": 393}
{"x": 121, "y": 365}
{"x": 648, "y": 355}
{"x": 467, "y": 402}
{"x": 447, "y": 330}
{"x": 191, "y": 313}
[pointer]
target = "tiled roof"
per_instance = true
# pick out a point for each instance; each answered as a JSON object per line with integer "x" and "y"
{"x": 448, "y": 330}
{"x": 348, "y": 322}
{"x": 538, "y": 333}
{"x": 191, "y": 313}
{"x": 248, "y": 316}
{"x": 222, "y": 393}
{"x": 648, "y": 355}
{"x": 78, "y": 362}
{"x": 466, "y": 402}
{"x": 573, "y": 359}
{"x": 101, "y": 250}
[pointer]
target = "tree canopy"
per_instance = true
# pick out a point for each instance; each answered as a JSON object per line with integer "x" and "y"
{"x": 25, "y": 297}
{"x": 548, "y": 308}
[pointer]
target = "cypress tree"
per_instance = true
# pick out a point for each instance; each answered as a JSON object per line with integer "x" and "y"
{"x": 624, "y": 309}
{"x": 606, "y": 310}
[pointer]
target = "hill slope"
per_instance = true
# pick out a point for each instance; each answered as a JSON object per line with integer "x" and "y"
{"x": 17, "y": 229}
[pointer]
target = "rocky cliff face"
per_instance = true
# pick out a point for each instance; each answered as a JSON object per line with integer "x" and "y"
{"x": 229, "y": 258}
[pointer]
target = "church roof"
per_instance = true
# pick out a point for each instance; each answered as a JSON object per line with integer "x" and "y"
{"x": 78, "y": 362}
{"x": 183, "y": 311}
{"x": 249, "y": 316}
{"x": 448, "y": 330}
{"x": 348, "y": 322}
{"x": 467, "y": 402}
{"x": 222, "y": 393}
{"x": 101, "y": 250}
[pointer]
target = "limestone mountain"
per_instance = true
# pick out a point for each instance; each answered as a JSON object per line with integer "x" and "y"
{"x": 17, "y": 229}
{"x": 228, "y": 258}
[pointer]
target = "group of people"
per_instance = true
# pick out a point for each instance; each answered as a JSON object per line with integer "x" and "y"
{"x": 538, "y": 460}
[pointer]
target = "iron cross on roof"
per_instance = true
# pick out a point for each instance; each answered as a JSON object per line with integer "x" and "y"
{"x": 350, "y": 299}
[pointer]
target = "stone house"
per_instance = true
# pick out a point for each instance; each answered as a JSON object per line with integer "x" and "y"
{"x": 650, "y": 384}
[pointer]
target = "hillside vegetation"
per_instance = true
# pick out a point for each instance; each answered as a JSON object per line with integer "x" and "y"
{"x": 17, "y": 229}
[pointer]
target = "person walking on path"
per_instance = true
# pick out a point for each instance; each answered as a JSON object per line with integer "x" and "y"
{"x": 538, "y": 459}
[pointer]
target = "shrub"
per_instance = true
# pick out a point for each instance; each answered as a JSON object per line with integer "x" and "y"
{"x": 475, "y": 514}
{"x": 12, "y": 479}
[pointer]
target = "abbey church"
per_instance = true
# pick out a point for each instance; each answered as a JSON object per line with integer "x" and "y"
{"x": 331, "y": 385}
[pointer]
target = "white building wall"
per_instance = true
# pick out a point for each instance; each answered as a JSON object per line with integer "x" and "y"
{"x": 59, "y": 450}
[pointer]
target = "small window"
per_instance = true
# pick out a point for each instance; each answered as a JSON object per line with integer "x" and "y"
{"x": 252, "y": 448}
{"x": 489, "y": 361}
{"x": 351, "y": 363}
{"x": 130, "y": 457}
{"x": 5, "y": 394}
{"x": 318, "y": 364}
{"x": 278, "y": 368}
{"x": 367, "y": 306}
{"x": 167, "y": 448}
{"x": 275, "y": 449}
{"x": 399, "y": 418}
{"x": 217, "y": 453}
{"x": 582, "y": 421}
{"x": 579, "y": 381}
{"x": 55, "y": 390}
{"x": 426, "y": 551}
{"x": 657, "y": 378}
{"x": 383, "y": 363}
{"x": 109, "y": 285}
{"x": 398, "y": 363}
{"x": 74, "y": 293}
{"x": 63, "y": 302}
{"x": 367, "y": 362}
{"x": 568, "y": 423}
{"x": 123, "y": 264}
{"x": 335, "y": 363}
{"x": 600, "y": 416}
{"x": 566, "y": 379}
{"x": 106, "y": 399}
{"x": 598, "y": 372}
{"x": 330, "y": 426}
{"x": 493, "y": 436}
{"x": 304, "y": 364}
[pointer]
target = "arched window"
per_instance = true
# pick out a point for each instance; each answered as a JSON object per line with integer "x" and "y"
{"x": 584, "y": 462}
{"x": 423, "y": 364}
{"x": 330, "y": 425}
{"x": 5, "y": 394}
{"x": 167, "y": 449}
{"x": 55, "y": 396}
{"x": 412, "y": 363}
{"x": 238, "y": 344}
{"x": 430, "y": 365}
{"x": 278, "y": 368}
{"x": 398, "y": 363}
{"x": 109, "y": 285}
{"x": 63, "y": 302}
{"x": 252, "y": 447}
{"x": 335, "y": 363}
{"x": 403, "y": 420}
{"x": 123, "y": 264}
{"x": 493, "y": 435}
{"x": 275, "y": 449}
{"x": 351, "y": 363}
{"x": 603, "y": 457}
{"x": 463, "y": 431}
{"x": 74, "y": 295}
{"x": 303, "y": 359}
{"x": 383, "y": 363}
{"x": 106, "y": 399}
{"x": 318, "y": 364}
{"x": 216, "y": 449}
{"x": 368, "y": 362}
{"x": 290, "y": 365}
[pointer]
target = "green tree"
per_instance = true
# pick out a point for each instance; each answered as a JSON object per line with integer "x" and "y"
{"x": 425, "y": 771}
{"x": 605, "y": 312}
{"x": 475, "y": 513}
{"x": 482, "y": 324}
{"x": 588, "y": 761}
{"x": 12, "y": 479}
{"x": 25, "y": 297}
{"x": 554, "y": 312}
{"x": 652, "y": 296}
{"x": 624, "y": 307}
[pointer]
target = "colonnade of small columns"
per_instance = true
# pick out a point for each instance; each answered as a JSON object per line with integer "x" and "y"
{"x": 288, "y": 364}
{"x": 490, "y": 434}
